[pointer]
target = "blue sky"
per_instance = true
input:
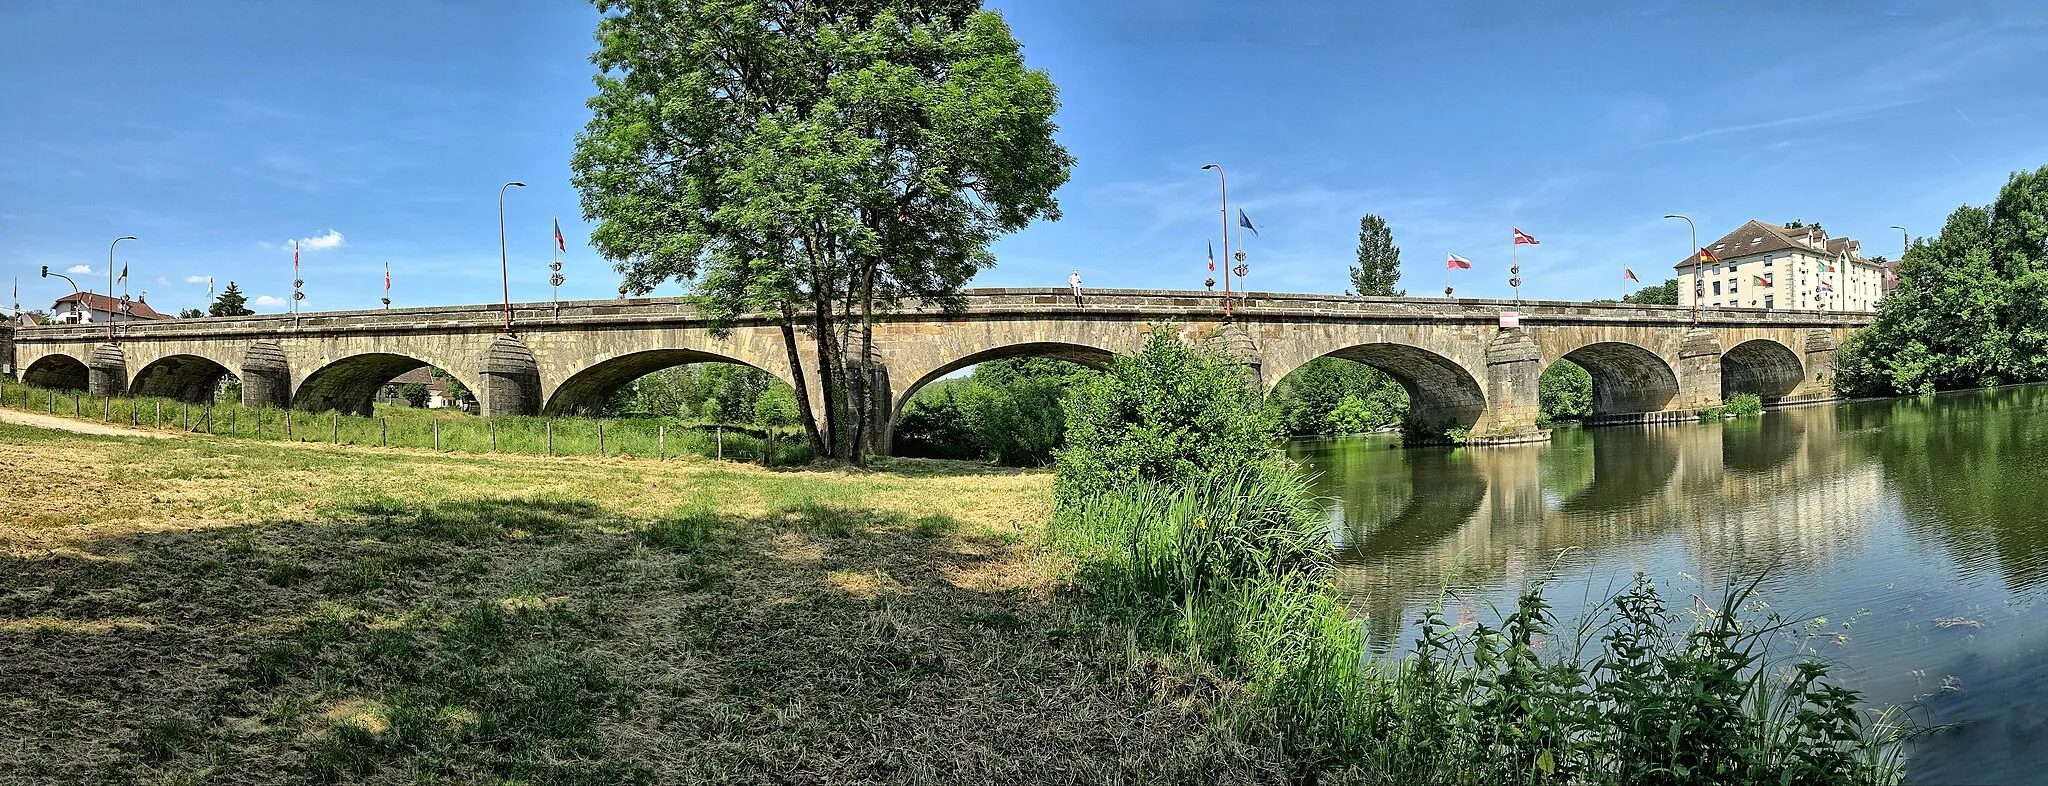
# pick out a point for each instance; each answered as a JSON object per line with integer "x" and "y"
{"x": 219, "y": 132}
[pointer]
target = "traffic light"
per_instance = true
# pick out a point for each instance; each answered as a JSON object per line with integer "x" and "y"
{"x": 46, "y": 271}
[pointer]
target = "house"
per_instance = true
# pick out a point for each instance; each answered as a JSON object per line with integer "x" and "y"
{"x": 437, "y": 390}
{"x": 1762, "y": 265}
{"x": 88, "y": 307}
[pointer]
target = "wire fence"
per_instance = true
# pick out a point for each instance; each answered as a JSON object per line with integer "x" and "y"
{"x": 405, "y": 427}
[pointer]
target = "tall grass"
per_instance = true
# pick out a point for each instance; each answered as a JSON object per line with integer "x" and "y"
{"x": 406, "y": 427}
{"x": 1228, "y": 580}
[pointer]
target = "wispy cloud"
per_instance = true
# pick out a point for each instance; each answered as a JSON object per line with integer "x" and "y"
{"x": 79, "y": 269}
{"x": 315, "y": 243}
{"x": 1832, "y": 115}
{"x": 195, "y": 279}
{"x": 162, "y": 282}
{"x": 268, "y": 301}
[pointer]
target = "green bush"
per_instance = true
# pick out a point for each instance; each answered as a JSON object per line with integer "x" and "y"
{"x": 1564, "y": 392}
{"x": 1335, "y": 396}
{"x": 1172, "y": 413}
{"x": 1744, "y": 405}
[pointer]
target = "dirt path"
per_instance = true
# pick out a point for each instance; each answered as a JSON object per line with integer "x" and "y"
{"x": 77, "y": 426}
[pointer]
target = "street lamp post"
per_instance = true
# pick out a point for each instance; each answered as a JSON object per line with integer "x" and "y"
{"x": 1905, "y": 242}
{"x": 1224, "y": 185}
{"x": 110, "y": 284}
{"x": 1695, "y": 267}
{"x": 504, "y": 273}
{"x": 67, "y": 279}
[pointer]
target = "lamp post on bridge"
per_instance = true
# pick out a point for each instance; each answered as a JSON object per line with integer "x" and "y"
{"x": 1695, "y": 249}
{"x": 1224, "y": 185}
{"x": 505, "y": 276}
{"x": 67, "y": 279}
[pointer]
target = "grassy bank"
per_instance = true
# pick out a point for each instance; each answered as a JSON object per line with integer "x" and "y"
{"x": 423, "y": 429}
{"x": 207, "y": 610}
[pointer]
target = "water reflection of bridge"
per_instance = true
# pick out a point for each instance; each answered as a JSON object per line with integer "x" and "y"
{"x": 1734, "y": 498}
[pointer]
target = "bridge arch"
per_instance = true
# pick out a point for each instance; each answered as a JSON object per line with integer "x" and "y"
{"x": 1442, "y": 394}
{"x": 1760, "y": 366}
{"x": 1082, "y": 354}
{"x": 350, "y": 384}
{"x": 189, "y": 378}
{"x": 1627, "y": 379}
{"x": 587, "y": 390}
{"x": 58, "y": 371}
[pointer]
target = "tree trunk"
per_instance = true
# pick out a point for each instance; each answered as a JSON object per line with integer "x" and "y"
{"x": 796, "y": 372}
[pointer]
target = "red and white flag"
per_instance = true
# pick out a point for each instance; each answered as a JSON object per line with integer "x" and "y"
{"x": 1458, "y": 262}
{"x": 387, "y": 278}
{"x": 1629, "y": 274}
{"x": 295, "y": 259}
{"x": 1523, "y": 237}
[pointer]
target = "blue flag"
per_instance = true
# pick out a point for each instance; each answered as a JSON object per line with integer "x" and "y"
{"x": 1246, "y": 222}
{"x": 1212, "y": 256}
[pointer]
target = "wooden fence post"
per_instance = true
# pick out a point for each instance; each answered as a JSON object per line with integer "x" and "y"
{"x": 287, "y": 424}
{"x": 437, "y": 434}
{"x": 600, "y": 439}
{"x": 551, "y": 436}
{"x": 383, "y": 432}
{"x": 721, "y": 439}
{"x": 492, "y": 426}
{"x": 159, "y": 424}
{"x": 660, "y": 441}
{"x": 107, "y": 412}
{"x": 336, "y": 420}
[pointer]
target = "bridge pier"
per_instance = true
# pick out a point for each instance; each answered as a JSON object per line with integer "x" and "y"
{"x": 510, "y": 380}
{"x": 107, "y": 371}
{"x": 266, "y": 376}
{"x": 1699, "y": 371}
{"x": 1513, "y": 364}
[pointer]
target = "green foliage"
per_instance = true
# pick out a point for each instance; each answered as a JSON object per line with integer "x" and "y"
{"x": 1172, "y": 413}
{"x": 817, "y": 161}
{"x": 458, "y": 393}
{"x": 1309, "y": 399}
{"x": 415, "y": 393}
{"x": 230, "y": 303}
{"x": 1379, "y": 260}
{"x": 1744, "y": 405}
{"x": 1665, "y": 294}
{"x": 1564, "y": 392}
{"x": 776, "y": 407}
{"x": 1009, "y": 411}
{"x": 190, "y": 313}
{"x": 1971, "y": 305}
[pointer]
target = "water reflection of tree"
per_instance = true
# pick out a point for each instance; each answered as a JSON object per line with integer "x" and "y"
{"x": 1972, "y": 470}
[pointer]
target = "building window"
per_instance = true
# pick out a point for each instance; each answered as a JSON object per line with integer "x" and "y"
{"x": 1731, "y": 285}
{"x": 1770, "y": 301}
{"x": 1717, "y": 290}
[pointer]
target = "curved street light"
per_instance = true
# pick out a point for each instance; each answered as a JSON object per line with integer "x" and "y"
{"x": 110, "y": 284}
{"x": 1695, "y": 249}
{"x": 1224, "y": 184}
{"x": 1905, "y": 241}
{"x": 505, "y": 277}
{"x": 67, "y": 279}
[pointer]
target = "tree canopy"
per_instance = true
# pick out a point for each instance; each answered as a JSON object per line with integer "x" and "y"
{"x": 231, "y": 303}
{"x": 814, "y": 160}
{"x": 1971, "y": 305}
{"x": 1379, "y": 260}
{"x": 1665, "y": 294}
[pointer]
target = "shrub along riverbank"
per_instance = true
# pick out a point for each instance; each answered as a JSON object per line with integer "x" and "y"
{"x": 1184, "y": 526}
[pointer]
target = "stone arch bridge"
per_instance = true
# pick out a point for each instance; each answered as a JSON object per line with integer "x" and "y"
{"x": 1461, "y": 368}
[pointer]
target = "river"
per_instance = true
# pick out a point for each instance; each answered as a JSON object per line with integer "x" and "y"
{"x": 1916, "y": 528}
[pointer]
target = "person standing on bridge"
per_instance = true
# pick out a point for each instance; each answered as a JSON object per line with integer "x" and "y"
{"x": 1074, "y": 281}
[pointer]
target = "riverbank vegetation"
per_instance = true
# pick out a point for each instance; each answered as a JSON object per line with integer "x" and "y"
{"x": 1006, "y": 411}
{"x": 1971, "y": 305}
{"x": 770, "y": 439}
{"x": 1209, "y": 549}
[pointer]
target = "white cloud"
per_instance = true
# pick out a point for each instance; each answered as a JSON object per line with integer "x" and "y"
{"x": 195, "y": 279}
{"x": 266, "y": 300}
{"x": 79, "y": 269}
{"x": 162, "y": 282}
{"x": 315, "y": 243}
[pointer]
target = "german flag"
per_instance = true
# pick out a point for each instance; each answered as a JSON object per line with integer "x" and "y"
{"x": 1707, "y": 257}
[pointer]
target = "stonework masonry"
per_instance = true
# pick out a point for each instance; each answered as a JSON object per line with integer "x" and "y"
{"x": 1461, "y": 369}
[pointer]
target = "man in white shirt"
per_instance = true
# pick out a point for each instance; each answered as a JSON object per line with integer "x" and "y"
{"x": 1074, "y": 280}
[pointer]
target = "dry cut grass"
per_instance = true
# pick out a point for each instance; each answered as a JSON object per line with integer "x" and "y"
{"x": 216, "y": 611}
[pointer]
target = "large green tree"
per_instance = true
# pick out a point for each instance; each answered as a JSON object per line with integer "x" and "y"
{"x": 231, "y": 303}
{"x": 1971, "y": 305}
{"x": 815, "y": 161}
{"x": 1665, "y": 294}
{"x": 1379, "y": 260}
{"x": 1336, "y": 396}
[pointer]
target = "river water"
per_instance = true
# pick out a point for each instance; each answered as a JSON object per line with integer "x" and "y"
{"x": 1917, "y": 528}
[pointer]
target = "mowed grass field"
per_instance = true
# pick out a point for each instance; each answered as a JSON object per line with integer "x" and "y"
{"x": 207, "y": 610}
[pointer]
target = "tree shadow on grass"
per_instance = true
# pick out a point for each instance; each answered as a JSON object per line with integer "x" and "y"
{"x": 552, "y": 641}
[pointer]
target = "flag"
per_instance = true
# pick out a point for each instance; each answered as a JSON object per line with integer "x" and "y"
{"x": 1246, "y": 222}
{"x": 295, "y": 259}
{"x": 1707, "y": 257}
{"x": 1827, "y": 287}
{"x": 1629, "y": 274}
{"x": 1523, "y": 237}
{"x": 1458, "y": 262}
{"x": 559, "y": 246}
{"x": 387, "y": 278}
{"x": 124, "y": 273}
{"x": 1761, "y": 281}
{"x": 1827, "y": 267}
{"x": 1212, "y": 256}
